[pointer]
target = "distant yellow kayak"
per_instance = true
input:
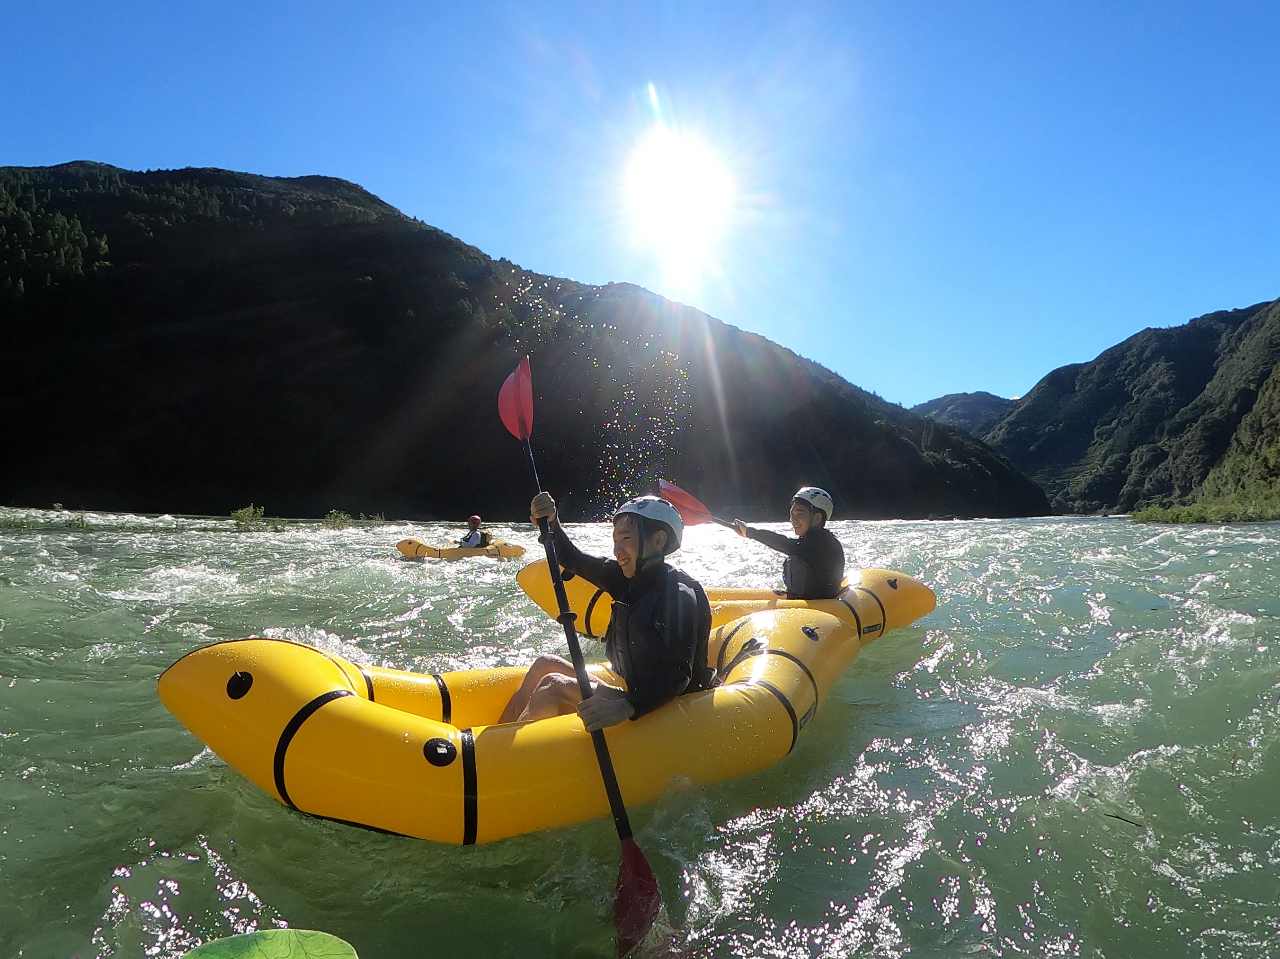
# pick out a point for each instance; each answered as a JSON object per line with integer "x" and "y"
{"x": 423, "y": 754}
{"x": 417, "y": 549}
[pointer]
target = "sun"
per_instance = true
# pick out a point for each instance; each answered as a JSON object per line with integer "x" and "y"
{"x": 679, "y": 197}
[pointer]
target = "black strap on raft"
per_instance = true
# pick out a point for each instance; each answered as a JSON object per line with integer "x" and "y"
{"x": 291, "y": 730}
{"x": 786, "y": 703}
{"x": 752, "y": 647}
{"x": 883, "y": 617}
{"x": 720, "y": 670}
{"x": 752, "y": 653}
{"x": 368, "y": 681}
{"x": 470, "y": 791}
{"x": 857, "y": 620}
{"x": 446, "y": 703}
{"x": 586, "y": 618}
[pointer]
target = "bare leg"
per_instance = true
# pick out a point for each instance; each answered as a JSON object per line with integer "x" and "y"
{"x": 556, "y": 695}
{"x": 542, "y": 667}
{"x": 559, "y": 695}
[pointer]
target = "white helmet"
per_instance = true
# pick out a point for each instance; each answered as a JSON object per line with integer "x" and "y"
{"x": 816, "y": 498}
{"x": 656, "y": 508}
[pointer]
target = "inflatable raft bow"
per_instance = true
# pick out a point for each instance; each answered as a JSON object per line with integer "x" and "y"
{"x": 422, "y": 755}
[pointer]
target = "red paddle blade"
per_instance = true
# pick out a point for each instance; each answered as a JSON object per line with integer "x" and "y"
{"x": 515, "y": 401}
{"x": 638, "y": 900}
{"x": 689, "y": 508}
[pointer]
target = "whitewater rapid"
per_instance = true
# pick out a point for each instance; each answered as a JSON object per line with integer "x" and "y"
{"x": 1076, "y": 754}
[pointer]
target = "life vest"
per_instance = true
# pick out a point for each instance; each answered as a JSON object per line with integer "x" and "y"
{"x": 796, "y": 574}
{"x": 635, "y": 637}
{"x": 816, "y": 575}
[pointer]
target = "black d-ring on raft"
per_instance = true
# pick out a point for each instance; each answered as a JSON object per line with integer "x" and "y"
{"x": 439, "y": 751}
{"x": 239, "y": 684}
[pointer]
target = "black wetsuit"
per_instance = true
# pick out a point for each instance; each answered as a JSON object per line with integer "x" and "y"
{"x": 658, "y": 628}
{"x": 814, "y": 568}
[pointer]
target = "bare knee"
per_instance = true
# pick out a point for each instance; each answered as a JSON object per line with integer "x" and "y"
{"x": 540, "y": 669}
{"x": 548, "y": 665}
{"x": 555, "y": 695}
{"x": 557, "y": 686}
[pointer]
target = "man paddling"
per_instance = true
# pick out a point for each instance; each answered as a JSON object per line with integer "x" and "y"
{"x": 474, "y": 538}
{"x": 814, "y": 568}
{"x": 656, "y": 641}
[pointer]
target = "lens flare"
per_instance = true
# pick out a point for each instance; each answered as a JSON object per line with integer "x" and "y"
{"x": 680, "y": 197}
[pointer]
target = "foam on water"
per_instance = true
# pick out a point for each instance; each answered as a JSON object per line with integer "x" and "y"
{"x": 1076, "y": 754}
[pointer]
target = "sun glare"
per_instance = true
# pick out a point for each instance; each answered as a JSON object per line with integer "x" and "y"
{"x": 680, "y": 196}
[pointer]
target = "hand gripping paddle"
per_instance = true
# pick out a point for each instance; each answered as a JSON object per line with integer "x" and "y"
{"x": 638, "y": 898}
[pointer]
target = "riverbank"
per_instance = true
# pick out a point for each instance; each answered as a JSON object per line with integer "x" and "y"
{"x": 1209, "y": 513}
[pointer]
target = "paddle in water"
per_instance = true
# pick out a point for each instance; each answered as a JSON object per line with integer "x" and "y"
{"x": 690, "y": 508}
{"x": 638, "y": 898}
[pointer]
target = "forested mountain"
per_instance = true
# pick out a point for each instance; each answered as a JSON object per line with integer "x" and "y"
{"x": 195, "y": 340}
{"x": 1166, "y": 417}
{"x": 1249, "y": 472}
{"x": 969, "y": 411}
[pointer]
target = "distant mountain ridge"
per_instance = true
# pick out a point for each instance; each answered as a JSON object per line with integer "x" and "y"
{"x": 968, "y": 411}
{"x": 1167, "y": 417}
{"x": 195, "y": 340}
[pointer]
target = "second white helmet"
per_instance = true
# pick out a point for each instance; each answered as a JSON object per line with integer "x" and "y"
{"x": 816, "y": 498}
{"x": 656, "y": 508}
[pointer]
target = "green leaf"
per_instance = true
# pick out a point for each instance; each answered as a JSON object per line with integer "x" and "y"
{"x": 276, "y": 944}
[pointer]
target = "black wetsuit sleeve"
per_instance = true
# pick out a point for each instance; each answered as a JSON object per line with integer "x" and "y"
{"x": 600, "y": 572}
{"x": 783, "y": 544}
{"x": 670, "y": 668}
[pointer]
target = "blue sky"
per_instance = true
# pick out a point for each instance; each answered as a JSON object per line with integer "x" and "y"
{"x": 927, "y": 197}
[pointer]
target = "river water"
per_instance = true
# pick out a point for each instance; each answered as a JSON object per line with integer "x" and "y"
{"x": 1076, "y": 754}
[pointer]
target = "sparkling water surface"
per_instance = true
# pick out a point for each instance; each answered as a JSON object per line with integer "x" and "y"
{"x": 1076, "y": 754}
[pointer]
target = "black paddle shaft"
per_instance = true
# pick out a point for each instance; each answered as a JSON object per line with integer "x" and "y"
{"x": 565, "y": 619}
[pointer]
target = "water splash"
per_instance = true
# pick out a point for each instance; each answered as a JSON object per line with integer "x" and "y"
{"x": 644, "y": 429}
{"x": 168, "y": 903}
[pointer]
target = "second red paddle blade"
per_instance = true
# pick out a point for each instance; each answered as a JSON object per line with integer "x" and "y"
{"x": 690, "y": 509}
{"x": 638, "y": 900}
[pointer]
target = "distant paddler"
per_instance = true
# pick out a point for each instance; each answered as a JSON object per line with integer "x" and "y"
{"x": 814, "y": 567}
{"x": 475, "y": 542}
{"x": 475, "y": 537}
